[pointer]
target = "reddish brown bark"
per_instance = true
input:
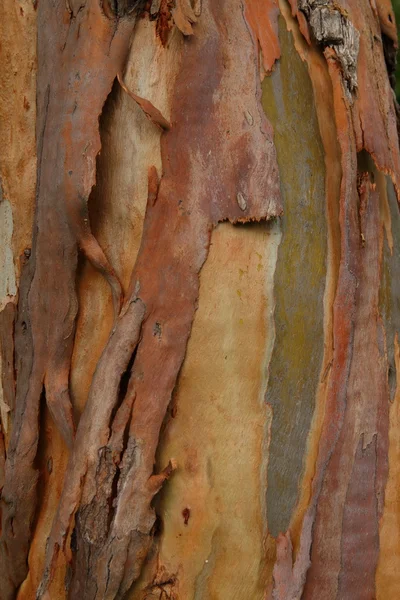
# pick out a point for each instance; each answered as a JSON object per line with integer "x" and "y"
{"x": 67, "y": 144}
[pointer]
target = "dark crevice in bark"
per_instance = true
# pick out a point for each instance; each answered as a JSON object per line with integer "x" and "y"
{"x": 39, "y": 463}
{"x": 390, "y": 53}
{"x": 118, "y": 453}
{"x": 123, "y": 8}
{"x": 390, "y": 49}
{"x": 123, "y": 388}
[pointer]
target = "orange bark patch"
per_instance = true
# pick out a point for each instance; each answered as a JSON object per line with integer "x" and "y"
{"x": 262, "y": 17}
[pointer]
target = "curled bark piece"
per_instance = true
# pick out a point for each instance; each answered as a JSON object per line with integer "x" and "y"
{"x": 151, "y": 112}
{"x": 184, "y": 16}
{"x": 156, "y": 481}
{"x": 78, "y": 215}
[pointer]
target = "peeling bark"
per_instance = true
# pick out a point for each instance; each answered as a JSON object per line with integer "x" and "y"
{"x": 88, "y": 487}
{"x": 67, "y": 108}
{"x": 171, "y": 321}
{"x": 331, "y": 570}
{"x": 263, "y": 20}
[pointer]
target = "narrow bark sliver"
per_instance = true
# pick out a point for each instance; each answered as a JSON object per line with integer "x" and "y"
{"x": 218, "y": 164}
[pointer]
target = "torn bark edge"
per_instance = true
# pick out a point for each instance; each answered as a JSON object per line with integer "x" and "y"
{"x": 151, "y": 112}
{"x": 289, "y": 576}
{"x": 156, "y": 481}
{"x": 184, "y": 16}
{"x": 249, "y": 219}
{"x": 263, "y": 26}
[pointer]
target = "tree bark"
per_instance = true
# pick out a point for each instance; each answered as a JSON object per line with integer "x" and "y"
{"x": 199, "y": 249}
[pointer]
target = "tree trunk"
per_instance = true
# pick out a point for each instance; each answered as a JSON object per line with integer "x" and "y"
{"x": 199, "y": 288}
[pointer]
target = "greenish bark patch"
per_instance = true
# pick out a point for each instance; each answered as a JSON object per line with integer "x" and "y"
{"x": 299, "y": 278}
{"x": 389, "y": 293}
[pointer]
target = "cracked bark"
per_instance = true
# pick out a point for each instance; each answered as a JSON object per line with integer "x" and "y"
{"x": 161, "y": 330}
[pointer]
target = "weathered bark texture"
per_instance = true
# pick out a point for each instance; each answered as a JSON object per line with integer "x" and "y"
{"x": 199, "y": 252}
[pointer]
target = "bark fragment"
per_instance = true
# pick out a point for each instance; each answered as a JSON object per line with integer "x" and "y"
{"x": 262, "y": 18}
{"x": 184, "y": 16}
{"x": 151, "y": 112}
{"x": 331, "y": 27}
